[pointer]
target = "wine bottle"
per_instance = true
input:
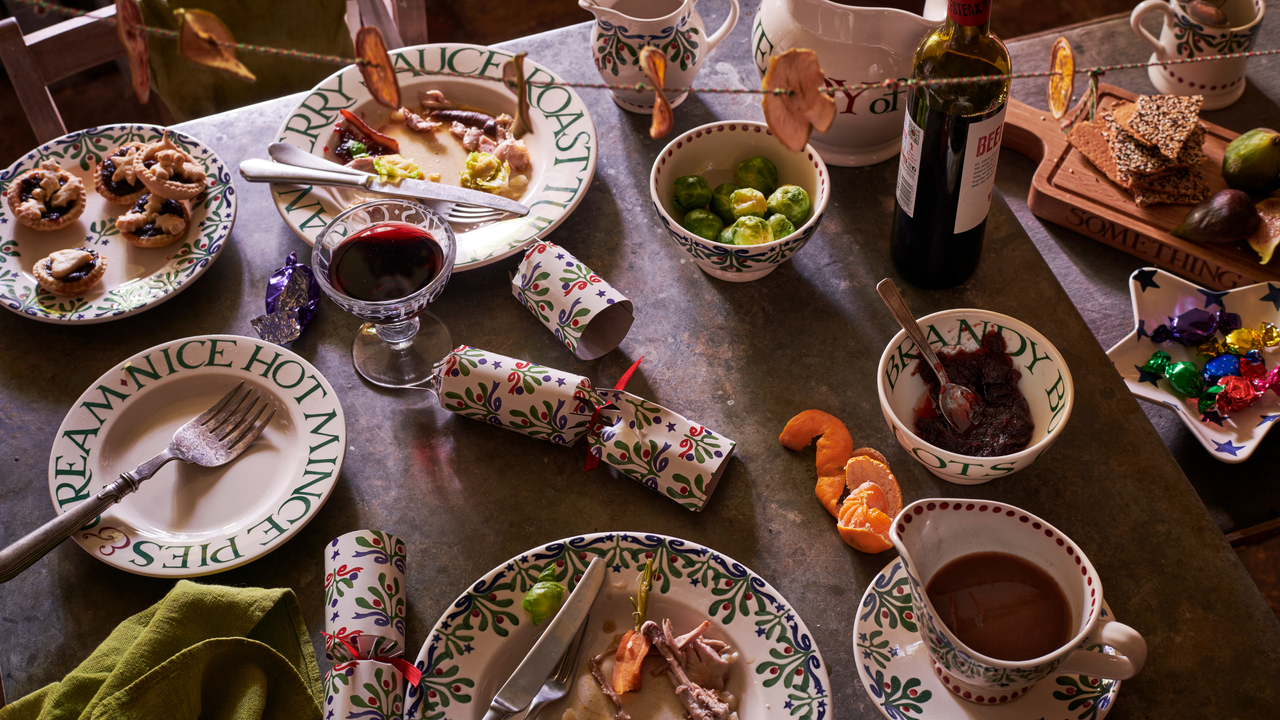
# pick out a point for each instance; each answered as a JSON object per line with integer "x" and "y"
{"x": 950, "y": 146}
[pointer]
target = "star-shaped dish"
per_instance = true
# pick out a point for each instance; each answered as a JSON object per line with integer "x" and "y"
{"x": 1158, "y": 296}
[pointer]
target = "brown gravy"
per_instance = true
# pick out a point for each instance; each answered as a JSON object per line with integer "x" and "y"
{"x": 1001, "y": 606}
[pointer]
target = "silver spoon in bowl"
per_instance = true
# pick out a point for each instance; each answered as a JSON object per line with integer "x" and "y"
{"x": 956, "y": 402}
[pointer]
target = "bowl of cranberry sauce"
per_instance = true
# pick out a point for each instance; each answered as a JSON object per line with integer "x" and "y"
{"x": 1023, "y": 386}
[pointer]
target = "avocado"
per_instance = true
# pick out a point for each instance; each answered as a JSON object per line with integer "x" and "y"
{"x": 1227, "y": 216}
{"x": 1252, "y": 162}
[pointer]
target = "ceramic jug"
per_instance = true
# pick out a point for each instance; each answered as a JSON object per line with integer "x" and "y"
{"x": 624, "y": 27}
{"x": 854, "y": 45}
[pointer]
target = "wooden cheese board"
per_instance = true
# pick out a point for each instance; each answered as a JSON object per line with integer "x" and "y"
{"x": 1069, "y": 191}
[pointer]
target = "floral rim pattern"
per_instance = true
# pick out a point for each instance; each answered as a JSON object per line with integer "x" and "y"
{"x": 212, "y": 215}
{"x": 789, "y": 671}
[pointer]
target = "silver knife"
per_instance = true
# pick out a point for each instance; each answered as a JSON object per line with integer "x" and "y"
{"x": 525, "y": 682}
{"x": 265, "y": 171}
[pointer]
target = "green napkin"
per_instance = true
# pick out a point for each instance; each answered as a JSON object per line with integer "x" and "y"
{"x": 204, "y": 651}
{"x": 191, "y": 91}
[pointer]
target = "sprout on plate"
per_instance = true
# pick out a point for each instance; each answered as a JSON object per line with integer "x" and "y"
{"x": 703, "y": 223}
{"x": 780, "y": 226}
{"x": 751, "y": 230}
{"x": 748, "y": 202}
{"x": 791, "y": 201}
{"x": 757, "y": 172}
{"x": 691, "y": 192}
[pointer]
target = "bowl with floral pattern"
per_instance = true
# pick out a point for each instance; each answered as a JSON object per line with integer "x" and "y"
{"x": 714, "y": 151}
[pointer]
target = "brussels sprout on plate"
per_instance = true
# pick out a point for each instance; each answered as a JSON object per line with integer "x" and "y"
{"x": 779, "y": 226}
{"x": 751, "y": 230}
{"x": 691, "y": 192}
{"x": 486, "y": 173}
{"x": 748, "y": 202}
{"x": 791, "y": 201}
{"x": 759, "y": 173}
{"x": 722, "y": 203}
{"x": 544, "y": 598}
{"x": 703, "y": 223}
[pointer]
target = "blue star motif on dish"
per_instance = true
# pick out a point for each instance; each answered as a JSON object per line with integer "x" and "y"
{"x": 866, "y": 654}
{"x": 497, "y": 364}
{"x": 617, "y": 568}
{"x": 1212, "y": 298}
{"x": 600, "y": 294}
{"x": 1267, "y": 419}
{"x": 466, "y": 649}
{"x": 560, "y": 256}
{"x": 788, "y": 705}
{"x": 1147, "y": 376}
{"x": 1146, "y": 279}
{"x": 335, "y": 617}
{"x": 1227, "y": 448}
{"x": 893, "y": 651}
{"x": 1212, "y": 417}
{"x": 693, "y": 581}
{"x": 1272, "y": 296}
{"x": 760, "y": 632}
{"x": 336, "y": 553}
{"x": 671, "y": 427}
{"x": 560, "y": 382}
{"x": 4, "y": 221}
{"x": 1142, "y": 330}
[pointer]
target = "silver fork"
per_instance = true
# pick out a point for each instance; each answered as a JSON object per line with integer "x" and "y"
{"x": 557, "y": 684}
{"x": 453, "y": 212}
{"x": 215, "y": 437}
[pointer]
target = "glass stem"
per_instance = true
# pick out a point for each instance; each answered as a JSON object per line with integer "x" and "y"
{"x": 398, "y": 335}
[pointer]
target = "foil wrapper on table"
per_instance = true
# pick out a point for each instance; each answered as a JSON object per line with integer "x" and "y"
{"x": 584, "y": 312}
{"x": 292, "y": 299}
{"x": 364, "y": 594}
{"x": 648, "y": 443}
{"x": 364, "y": 690}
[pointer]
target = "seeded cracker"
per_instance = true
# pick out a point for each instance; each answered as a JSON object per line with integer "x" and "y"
{"x": 1184, "y": 186}
{"x": 1165, "y": 121}
{"x": 1088, "y": 138}
{"x": 1134, "y": 157}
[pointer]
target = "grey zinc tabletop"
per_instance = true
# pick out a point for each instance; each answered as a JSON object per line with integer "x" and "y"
{"x": 740, "y": 358}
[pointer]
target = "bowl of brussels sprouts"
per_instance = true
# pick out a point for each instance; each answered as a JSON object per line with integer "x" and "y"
{"x": 738, "y": 201}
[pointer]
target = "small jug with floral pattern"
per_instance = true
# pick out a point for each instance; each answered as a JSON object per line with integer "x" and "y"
{"x": 624, "y": 27}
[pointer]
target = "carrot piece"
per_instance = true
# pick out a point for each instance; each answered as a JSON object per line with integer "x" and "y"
{"x": 626, "y": 667}
{"x": 835, "y": 446}
{"x": 362, "y": 126}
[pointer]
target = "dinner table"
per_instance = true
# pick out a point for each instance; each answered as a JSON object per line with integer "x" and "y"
{"x": 1127, "y": 483}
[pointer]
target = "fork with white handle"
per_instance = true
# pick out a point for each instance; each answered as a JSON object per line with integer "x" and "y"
{"x": 215, "y": 437}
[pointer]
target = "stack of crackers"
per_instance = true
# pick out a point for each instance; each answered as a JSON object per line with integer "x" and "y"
{"x": 1150, "y": 147}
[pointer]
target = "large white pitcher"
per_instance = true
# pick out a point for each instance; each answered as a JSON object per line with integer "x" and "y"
{"x": 624, "y": 27}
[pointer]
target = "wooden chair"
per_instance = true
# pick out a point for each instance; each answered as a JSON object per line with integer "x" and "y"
{"x": 62, "y": 50}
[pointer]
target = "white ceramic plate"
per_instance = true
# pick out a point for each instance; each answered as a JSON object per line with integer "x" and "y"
{"x": 562, "y": 146}
{"x": 189, "y": 520}
{"x": 482, "y": 638}
{"x": 1158, "y": 296}
{"x": 137, "y": 278}
{"x": 897, "y": 673}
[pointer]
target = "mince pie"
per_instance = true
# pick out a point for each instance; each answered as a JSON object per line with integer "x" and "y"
{"x": 154, "y": 221}
{"x": 46, "y": 198}
{"x": 70, "y": 272}
{"x": 116, "y": 179}
{"x": 168, "y": 171}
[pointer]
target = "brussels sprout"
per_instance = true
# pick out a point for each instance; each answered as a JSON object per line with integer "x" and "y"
{"x": 691, "y": 192}
{"x": 751, "y": 230}
{"x": 748, "y": 201}
{"x": 543, "y": 599}
{"x": 703, "y": 223}
{"x": 485, "y": 172}
{"x": 394, "y": 167}
{"x": 757, "y": 172}
{"x": 791, "y": 201}
{"x": 779, "y": 226}
{"x": 721, "y": 204}
{"x": 726, "y": 235}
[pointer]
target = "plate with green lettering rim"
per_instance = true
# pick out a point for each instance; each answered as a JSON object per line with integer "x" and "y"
{"x": 137, "y": 278}
{"x": 188, "y": 520}
{"x": 562, "y": 144}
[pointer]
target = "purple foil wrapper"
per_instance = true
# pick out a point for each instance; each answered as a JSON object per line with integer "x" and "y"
{"x": 293, "y": 296}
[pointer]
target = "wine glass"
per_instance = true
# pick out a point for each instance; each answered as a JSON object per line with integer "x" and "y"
{"x": 385, "y": 261}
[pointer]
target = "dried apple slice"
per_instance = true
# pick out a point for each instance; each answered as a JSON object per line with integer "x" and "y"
{"x": 513, "y": 78}
{"x": 793, "y": 114}
{"x": 376, "y": 68}
{"x": 654, "y": 65}
{"x": 205, "y": 40}
{"x": 131, "y": 30}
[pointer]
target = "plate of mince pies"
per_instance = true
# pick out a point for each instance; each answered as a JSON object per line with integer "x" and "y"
{"x": 110, "y": 221}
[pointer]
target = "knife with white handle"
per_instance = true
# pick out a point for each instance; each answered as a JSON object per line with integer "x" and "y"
{"x": 525, "y": 682}
{"x": 265, "y": 171}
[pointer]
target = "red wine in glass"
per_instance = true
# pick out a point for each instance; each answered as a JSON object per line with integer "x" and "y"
{"x": 386, "y": 261}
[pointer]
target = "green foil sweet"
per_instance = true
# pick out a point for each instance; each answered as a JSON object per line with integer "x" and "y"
{"x": 1186, "y": 378}
{"x": 1209, "y": 398}
{"x": 1158, "y": 363}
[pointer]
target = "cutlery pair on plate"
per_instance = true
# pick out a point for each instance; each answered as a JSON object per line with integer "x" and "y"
{"x": 457, "y": 205}
{"x": 544, "y": 674}
{"x": 215, "y": 437}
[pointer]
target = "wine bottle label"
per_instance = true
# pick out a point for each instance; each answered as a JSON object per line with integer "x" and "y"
{"x": 969, "y": 12}
{"x": 909, "y": 165}
{"x": 979, "y": 175}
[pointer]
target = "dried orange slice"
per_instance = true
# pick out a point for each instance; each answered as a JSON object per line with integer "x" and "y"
{"x": 1062, "y": 62}
{"x": 835, "y": 446}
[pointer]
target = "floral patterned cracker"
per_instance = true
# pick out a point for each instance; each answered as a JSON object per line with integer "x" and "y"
{"x": 584, "y": 312}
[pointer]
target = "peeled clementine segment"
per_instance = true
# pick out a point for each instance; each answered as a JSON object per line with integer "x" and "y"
{"x": 1062, "y": 63}
{"x": 834, "y": 448}
{"x": 864, "y": 520}
{"x": 862, "y": 470}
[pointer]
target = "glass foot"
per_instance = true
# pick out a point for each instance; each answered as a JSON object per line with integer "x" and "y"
{"x": 402, "y": 364}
